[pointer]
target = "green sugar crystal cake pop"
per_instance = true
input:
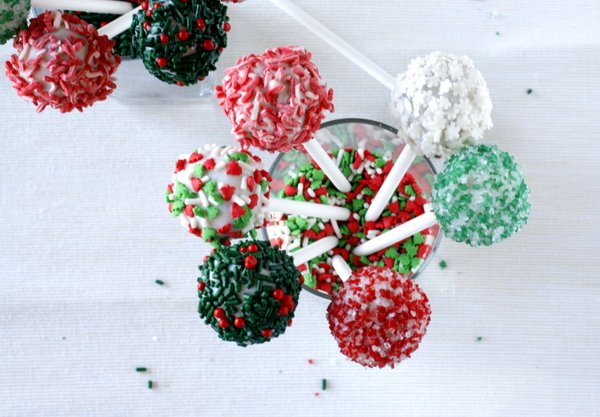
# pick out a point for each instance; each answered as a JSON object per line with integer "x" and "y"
{"x": 13, "y": 18}
{"x": 248, "y": 292}
{"x": 480, "y": 197}
{"x": 180, "y": 41}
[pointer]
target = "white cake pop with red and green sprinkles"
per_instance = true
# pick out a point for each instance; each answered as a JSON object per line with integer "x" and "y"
{"x": 248, "y": 292}
{"x": 480, "y": 197}
{"x": 378, "y": 317}
{"x": 219, "y": 193}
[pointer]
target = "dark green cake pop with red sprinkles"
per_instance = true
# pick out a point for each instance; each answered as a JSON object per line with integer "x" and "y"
{"x": 248, "y": 292}
{"x": 180, "y": 41}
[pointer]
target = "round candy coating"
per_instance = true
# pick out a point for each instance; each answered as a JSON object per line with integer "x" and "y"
{"x": 237, "y": 298}
{"x": 275, "y": 101}
{"x": 219, "y": 192}
{"x": 440, "y": 104}
{"x": 62, "y": 62}
{"x": 481, "y": 197}
{"x": 13, "y": 18}
{"x": 378, "y": 317}
{"x": 180, "y": 41}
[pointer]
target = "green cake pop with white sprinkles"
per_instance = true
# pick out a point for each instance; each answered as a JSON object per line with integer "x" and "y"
{"x": 248, "y": 291}
{"x": 481, "y": 197}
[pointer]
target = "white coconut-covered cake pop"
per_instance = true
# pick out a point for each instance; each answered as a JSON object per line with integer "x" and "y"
{"x": 441, "y": 104}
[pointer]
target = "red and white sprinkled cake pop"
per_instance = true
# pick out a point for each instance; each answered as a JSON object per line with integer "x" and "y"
{"x": 62, "y": 62}
{"x": 275, "y": 101}
{"x": 378, "y": 317}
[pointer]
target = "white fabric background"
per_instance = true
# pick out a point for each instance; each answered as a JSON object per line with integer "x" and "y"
{"x": 84, "y": 234}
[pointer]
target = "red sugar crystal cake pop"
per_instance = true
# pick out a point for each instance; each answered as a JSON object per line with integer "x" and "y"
{"x": 62, "y": 62}
{"x": 275, "y": 101}
{"x": 378, "y": 317}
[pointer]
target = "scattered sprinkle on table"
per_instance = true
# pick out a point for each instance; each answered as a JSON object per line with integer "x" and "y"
{"x": 159, "y": 282}
{"x": 150, "y": 384}
{"x": 443, "y": 264}
{"x": 529, "y": 91}
{"x": 479, "y": 339}
{"x": 323, "y": 384}
{"x": 141, "y": 369}
{"x": 310, "y": 361}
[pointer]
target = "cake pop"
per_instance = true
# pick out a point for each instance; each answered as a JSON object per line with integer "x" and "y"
{"x": 179, "y": 41}
{"x": 220, "y": 193}
{"x": 378, "y": 317}
{"x": 441, "y": 104}
{"x": 479, "y": 198}
{"x": 248, "y": 292}
{"x": 62, "y": 62}
{"x": 275, "y": 101}
{"x": 217, "y": 192}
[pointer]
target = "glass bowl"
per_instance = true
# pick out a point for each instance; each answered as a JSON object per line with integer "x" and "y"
{"x": 382, "y": 141}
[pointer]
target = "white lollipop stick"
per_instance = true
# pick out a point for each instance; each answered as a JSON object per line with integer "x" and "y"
{"x": 330, "y": 169}
{"x": 323, "y": 211}
{"x": 341, "y": 267}
{"x": 391, "y": 182}
{"x": 396, "y": 234}
{"x": 336, "y": 42}
{"x": 92, "y": 6}
{"x": 313, "y": 250}
{"x": 119, "y": 25}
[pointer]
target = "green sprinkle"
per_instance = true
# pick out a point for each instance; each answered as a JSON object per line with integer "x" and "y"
{"x": 183, "y": 192}
{"x": 199, "y": 170}
{"x": 408, "y": 189}
{"x": 368, "y": 191}
{"x": 391, "y": 252}
{"x": 529, "y": 91}
{"x": 418, "y": 238}
{"x": 380, "y": 163}
{"x": 177, "y": 208}
{"x": 357, "y": 204}
{"x": 141, "y": 369}
{"x": 150, "y": 384}
{"x": 323, "y": 384}
{"x": 479, "y": 339}
{"x": 212, "y": 212}
{"x": 208, "y": 233}
{"x": 159, "y": 282}
{"x": 443, "y": 264}
{"x": 240, "y": 156}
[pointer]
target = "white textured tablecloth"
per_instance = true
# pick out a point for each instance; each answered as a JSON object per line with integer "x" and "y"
{"x": 85, "y": 233}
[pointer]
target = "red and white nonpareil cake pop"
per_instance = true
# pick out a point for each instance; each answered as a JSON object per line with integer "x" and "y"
{"x": 275, "y": 101}
{"x": 62, "y": 62}
{"x": 378, "y": 317}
